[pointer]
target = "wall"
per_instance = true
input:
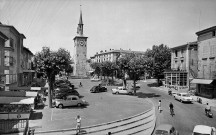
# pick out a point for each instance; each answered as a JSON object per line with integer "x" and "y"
{"x": 206, "y": 58}
{"x": 2, "y": 55}
{"x": 176, "y": 61}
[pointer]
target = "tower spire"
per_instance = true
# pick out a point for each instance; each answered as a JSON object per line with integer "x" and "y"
{"x": 80, "y": 25}
{"x": 80, "y": 21}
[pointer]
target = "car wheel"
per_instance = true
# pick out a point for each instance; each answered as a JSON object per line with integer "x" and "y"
{"x": 79, "y": 105}
{"x": 130, "y": 93}
{"x": 60, "y": 106}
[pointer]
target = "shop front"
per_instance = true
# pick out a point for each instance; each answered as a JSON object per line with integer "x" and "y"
{"x": 205, "y": 87}
{"x": 176, "y": 81}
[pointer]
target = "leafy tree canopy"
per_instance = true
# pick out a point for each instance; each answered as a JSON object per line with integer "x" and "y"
{"x": 159, "y": 59}
{"x": 52, "y": 62}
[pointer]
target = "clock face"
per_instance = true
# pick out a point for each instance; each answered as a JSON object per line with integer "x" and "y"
{"x": 82, "y": 42}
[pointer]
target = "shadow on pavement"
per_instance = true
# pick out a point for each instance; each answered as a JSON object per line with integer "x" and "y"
{"x": 82, "y": 132}
{"x": 36, "y": 115}
{"x": 75, "y": 107}
{"x": 146, "y": 95}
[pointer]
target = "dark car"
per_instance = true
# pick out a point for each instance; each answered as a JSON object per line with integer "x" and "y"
{"x": 60, "y": 93}
{"x": 60, "y": 83}
{"x": 96, "y": 89}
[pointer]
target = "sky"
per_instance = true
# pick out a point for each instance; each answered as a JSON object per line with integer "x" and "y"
{"x": 108, "y": 24}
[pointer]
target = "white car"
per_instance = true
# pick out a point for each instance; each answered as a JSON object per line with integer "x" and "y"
{"x": 174, "y": 93}
{"x": 122, "y": 90}
{"x": 95, "y": 79}
{"x": 183, "y": 97}
{"x": 71, "y": 100}
{"x": 203, "y": 130}
{"x": 137, "y": 85}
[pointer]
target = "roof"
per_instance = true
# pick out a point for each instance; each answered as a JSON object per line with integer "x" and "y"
{"x": 202, "y": 129}
{"x": 119, "y": 51}
{"x": 27, "y": 49}
{"x": 12, "y": 27}
{"x": 166, "y": 127}
{"x": 205, "y": 30}
{"x": 185, "y": 45}
{"x": 3, "y": 36}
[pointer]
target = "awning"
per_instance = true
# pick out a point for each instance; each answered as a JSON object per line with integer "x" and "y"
{"x": 16, "y": 100}
{"x": 201, "y": 81}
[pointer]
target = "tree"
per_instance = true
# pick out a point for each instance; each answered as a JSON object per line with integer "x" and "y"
{"x": 69, "y": 69}
{"x": 159, "y": 59}
{"x": 136, "y": 69}
{"x": 50, "y": 63}
{"x": 122, "y": 63}
{"x": 108, "y": 68}
{"x": 97, "y": 68}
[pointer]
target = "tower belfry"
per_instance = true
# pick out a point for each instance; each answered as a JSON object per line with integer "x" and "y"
{"x": 80, "y": 50}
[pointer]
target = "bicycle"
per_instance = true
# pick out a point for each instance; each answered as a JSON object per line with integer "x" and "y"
{"x": 172, "y": 111}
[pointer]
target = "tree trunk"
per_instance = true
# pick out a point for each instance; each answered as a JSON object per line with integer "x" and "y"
{"x": 134, "y": 86}
{"x": 49, "y": 94}
{"x": 51, "y": 81}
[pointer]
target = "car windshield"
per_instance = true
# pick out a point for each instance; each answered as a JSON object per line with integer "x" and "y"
{"x": 161, "y": 132}
{"x": 185, "y": 95}
{"x": 199, "y": 134}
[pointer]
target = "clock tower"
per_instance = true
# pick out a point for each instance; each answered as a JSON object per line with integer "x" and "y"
{"x": 80, "y": 51}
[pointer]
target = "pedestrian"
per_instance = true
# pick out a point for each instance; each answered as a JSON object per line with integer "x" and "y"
{"x": 159, "y": 106}
{"x": 78, "y": 126}
{"x": 109, "y": 133}
{"x": 80, "y": 84}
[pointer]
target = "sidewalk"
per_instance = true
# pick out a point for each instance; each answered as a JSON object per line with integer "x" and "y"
{"x": 212, "y": 102}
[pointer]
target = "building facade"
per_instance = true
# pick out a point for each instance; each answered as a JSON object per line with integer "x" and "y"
{"x": 26, "y": 65}
{"x": 3, "y": 39}
{"x": 184, "y": 67}
{"x": 80, "y": 51}
{"x": 15, "y": 58}
{"x": 111, "y": 55}
{"x": 206, "y": 79}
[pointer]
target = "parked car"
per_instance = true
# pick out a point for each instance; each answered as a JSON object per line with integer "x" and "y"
{"x": 61, "y": 93}
{"x": 99, "y": 88}
{"x": 95, "y": 79}
{"x": 183, "y": 97}
{"x": 204, "y": 130}
{"x": 71, "y": 100}
{"x": 63, "y": 84}
{"x": 165, "y": 129}
{"x": 137, "y": 85}
{"x": 122, "y": 90}
{"x": 174, "y": 93}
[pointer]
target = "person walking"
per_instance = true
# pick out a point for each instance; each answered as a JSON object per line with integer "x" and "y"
{"x": 78, "y": 126}
{"x": 159, "y": 106}
{"x": 80, "y": 85}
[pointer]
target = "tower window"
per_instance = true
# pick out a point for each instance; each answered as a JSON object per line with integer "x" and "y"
{"x": 176, "y": 53}
{"x": 213, "y": 33}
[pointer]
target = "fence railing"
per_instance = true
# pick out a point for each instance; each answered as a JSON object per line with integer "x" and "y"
{"x": 13, "y": 126}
